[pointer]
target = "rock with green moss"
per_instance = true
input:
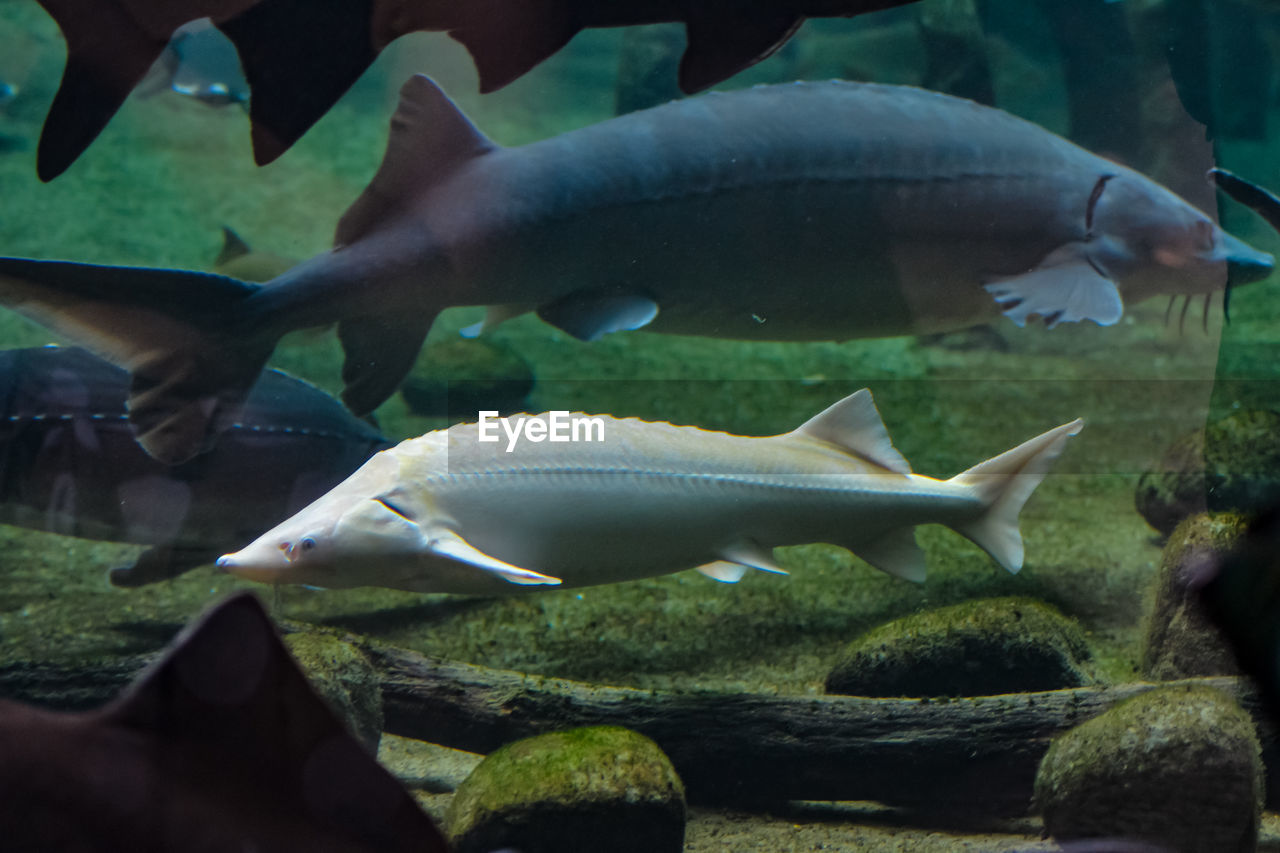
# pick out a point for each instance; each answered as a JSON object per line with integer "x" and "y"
{"x": 977, "y": 648}
{"x": 1178, "y": 767}
{"x": 460, "y": 377}
{"x": 1180, "y": 641}
{"x": 597, "y": 788}
{"x": 345, "y": 679}
{"x": 1231, "y": 465}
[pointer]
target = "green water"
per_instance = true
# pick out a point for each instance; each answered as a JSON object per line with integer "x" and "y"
{"x": 157, "y": 185}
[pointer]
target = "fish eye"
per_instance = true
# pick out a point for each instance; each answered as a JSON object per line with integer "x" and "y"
{"x": 306, "y": 543}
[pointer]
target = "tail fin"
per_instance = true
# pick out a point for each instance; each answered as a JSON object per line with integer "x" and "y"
{"x": 108, "y": 53}
{"x": 1004, "y": 483}
{"x": 180, "y": 334}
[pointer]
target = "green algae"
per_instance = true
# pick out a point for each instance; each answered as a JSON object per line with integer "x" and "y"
{"x": 1179, "y": 765}
{"x": 597, "y": 787}
{"x": 976, "y": 648}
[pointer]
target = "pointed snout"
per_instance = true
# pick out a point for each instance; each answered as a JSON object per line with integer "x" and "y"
{"x": 1245, "y": 264}
{"x": 255, "y": 563}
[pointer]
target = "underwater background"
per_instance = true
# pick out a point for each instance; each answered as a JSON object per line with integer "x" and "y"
{"x": 169, "y": 173}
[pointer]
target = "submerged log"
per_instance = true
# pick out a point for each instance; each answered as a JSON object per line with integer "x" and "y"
{"x": 975, "y": 755}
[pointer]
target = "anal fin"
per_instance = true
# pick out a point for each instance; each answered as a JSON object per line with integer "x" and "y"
{"x": 379, "y": 354}
{"x": 896, "y": 553}
{"x": 449, "y": 544}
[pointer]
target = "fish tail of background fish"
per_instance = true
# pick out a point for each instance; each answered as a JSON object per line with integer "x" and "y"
{"x": 108, "y": 53}
{"x": 187, "y": 339}
{"x": 1004, "y": 483}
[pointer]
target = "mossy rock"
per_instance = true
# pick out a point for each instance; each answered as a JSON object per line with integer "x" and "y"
{"x": 461, "y": 377}
{"x": 1232, "y": 465}
{"x": 345, "y": 679}
{"x": 1180, "y": 641}
{"x": 1179, "y": 766}
{"x": 596, "y": 788}
{"x": 976, "y": 648}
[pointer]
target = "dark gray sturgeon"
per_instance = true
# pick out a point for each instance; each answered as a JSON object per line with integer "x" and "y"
{"x": 807, "y": 211}
{"x": 69, "y": 463}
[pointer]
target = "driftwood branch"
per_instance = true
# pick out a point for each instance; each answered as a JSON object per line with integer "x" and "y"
{"x": 973, "y": 755}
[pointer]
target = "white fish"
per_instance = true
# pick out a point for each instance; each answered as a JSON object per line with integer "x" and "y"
{"x": 447, "y": 512}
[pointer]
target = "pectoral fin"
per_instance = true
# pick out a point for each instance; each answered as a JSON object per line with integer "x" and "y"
{"x": 494, "y": 315}
{"x": 591, "y": 316}
{"x": 753, "y": 555}
{"x": 1066, "y": 287}
{"x": 738, "y": 558}
{"x": 897, "y": 553}
{"x": 446, "y": 543}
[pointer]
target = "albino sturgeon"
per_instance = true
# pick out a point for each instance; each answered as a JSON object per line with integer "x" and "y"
{"x": 807, "y": 211}
{"x": 446, "y": 512}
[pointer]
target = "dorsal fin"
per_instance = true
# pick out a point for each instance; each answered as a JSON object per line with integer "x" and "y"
{"x": 855, "y": 425}
{"x": 430, "y": 137}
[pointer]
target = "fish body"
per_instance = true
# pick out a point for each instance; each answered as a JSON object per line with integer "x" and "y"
{"x": 69, "y": 463}
{"x": 447, "y": 512}
{"x": 222, "y": 745}
{"x": 807, "y": 211}
{"x": 300, "y": 56}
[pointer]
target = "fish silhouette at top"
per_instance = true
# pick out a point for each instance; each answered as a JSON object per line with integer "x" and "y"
{"x": 300, "y": 56}
{"x": 805, "y": 211}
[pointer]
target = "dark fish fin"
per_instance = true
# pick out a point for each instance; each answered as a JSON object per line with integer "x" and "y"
{"x": 108, "y": 53}
{"x": 299, "y": 57}
{"x": 516, "y": 40}
{"x": 229, "y": 684}
{"x": 720, "y": 46}
{"x": 169, "y": 328}
{"x": 379, "y": 354}
{"x": 233, "y": 246}
{"x": 591, "y": 316}
{"x": 161, "y": 563}
{"x": 430, "y": 137}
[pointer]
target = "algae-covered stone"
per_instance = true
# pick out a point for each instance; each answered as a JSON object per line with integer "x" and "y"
{"x": 345, "y": 679}
{"x": 977, "y": 648}
{"x": 1231, "y": 465}
{"x": 597, "y": 788}
{"x": 1180, "y": 640}
{"x": 461, "y": 377}
{"x": 1179, "y": 766}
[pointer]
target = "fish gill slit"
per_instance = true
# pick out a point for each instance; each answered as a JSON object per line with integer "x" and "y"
{"x": 1094, "y": 197}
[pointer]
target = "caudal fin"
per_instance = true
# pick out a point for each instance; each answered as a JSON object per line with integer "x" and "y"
{"x": 180, "y": 335}
{"x": 1004, "y": 483}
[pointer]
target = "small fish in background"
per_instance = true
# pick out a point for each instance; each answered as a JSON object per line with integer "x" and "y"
{"x": 803, "y": 211}
{"x": 221, "y": 745}
{"x": 453, "y": 512}
{"x": 201, "y": 63}
{"x": 239, "y": 260}
{"x": 300, "y": 56}
{"x": 69, "y": 464}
